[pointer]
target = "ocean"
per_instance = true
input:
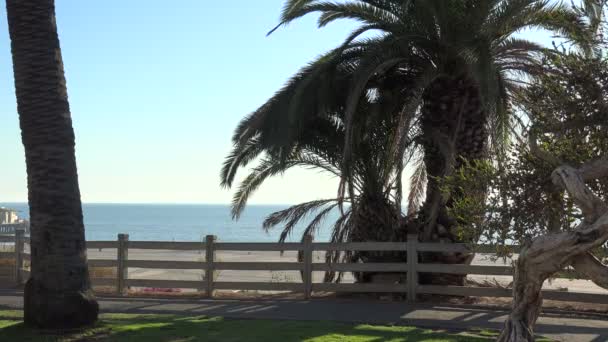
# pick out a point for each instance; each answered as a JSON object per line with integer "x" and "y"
{"x": 181, "y": 222}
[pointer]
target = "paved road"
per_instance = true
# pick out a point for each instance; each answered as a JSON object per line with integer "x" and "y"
{"x": 571, "y": 329}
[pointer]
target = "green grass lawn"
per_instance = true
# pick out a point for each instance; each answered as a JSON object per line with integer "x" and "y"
{"x": 149, "y": 328}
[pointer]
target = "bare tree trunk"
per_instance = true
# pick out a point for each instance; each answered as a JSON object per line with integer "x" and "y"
{"x": 58, "y": 294}
{"x": 547, "y": 255}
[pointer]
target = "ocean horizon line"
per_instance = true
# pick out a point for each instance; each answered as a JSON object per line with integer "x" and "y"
{"x": 167, "y": 203}
{"x": 181, "y": 222}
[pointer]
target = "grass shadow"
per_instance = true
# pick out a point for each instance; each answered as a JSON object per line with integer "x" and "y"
{"x": 151, "y": 328}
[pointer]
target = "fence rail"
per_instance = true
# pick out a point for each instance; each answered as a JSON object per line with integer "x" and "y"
{"x": 11, "y": 228}
{"x": 210, "y": 265}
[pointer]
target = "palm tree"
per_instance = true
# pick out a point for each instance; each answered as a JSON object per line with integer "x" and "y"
{"x": 454, "y": 65}
{"x": 374, "y": 213}
{"x": 58, "y": 294}
{"x": 462, "y": 57}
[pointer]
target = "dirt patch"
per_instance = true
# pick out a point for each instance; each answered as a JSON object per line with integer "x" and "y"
{"x": 103, "y": 272}
{"x": 548, "y": 305}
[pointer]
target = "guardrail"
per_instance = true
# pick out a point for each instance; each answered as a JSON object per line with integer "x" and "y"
{"x": 209, "y": 284}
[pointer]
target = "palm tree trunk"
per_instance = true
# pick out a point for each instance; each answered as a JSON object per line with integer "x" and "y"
{"x": 58, "y": 294}
{"x": 376, "y": 219}
{"x": 453, "y": 125}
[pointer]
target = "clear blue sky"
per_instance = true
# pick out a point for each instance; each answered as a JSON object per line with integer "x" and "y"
{"x": 156, "y": 88}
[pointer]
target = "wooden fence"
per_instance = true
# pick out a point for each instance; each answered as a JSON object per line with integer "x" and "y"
{"x": 210, "y": 265}
{"x": 11, "y": 228}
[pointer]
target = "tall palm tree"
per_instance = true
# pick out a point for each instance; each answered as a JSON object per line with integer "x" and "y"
{"x": 58, "y": 294}
{"x": 462, "y": 56}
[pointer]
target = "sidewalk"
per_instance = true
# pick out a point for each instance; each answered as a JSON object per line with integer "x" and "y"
{"x": 572, "y": 329}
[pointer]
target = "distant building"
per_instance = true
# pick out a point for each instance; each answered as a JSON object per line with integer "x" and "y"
{"x": 8, "y": 216}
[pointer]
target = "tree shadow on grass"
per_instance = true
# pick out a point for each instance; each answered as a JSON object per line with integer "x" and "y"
{"x": 179, "y": 328}
{"x": 151, "y": 328}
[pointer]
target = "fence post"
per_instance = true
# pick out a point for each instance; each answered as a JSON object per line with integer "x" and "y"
{"x": 122, "y": 258}
{"x": 19, "y": 242}
{"x": 209, "y": 267}
{"x": 412, "y": 261}
{"x": 307, "y": 274}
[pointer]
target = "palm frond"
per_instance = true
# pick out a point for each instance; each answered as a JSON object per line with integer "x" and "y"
{"x": 279, "y": 120}
{"x": 270, "y": 166}
{"x": 330, "y": 11}
{"x": 313, "y": 225}
{"x": 358, "y": 32}
{"x": 240, "y": 156}
{"x": 407, "y": 115}
{"x": 594, "y": 11}
{"x": 567, "y": 24}
{"x": 385, "y": 56}
{"x": 267, "y": 167}
{"x": 505, "y": 48}
{"x": 339, "y": 234}
{"x": 417, "y": 184}
{"x": 355, "y": 10}
{"x": 507, "y": 17}
{"x": 294, "y": 214}
{"x": 500, "y": 124}
{"x": 391, "y": 6}
{"x": 313, "y": 161}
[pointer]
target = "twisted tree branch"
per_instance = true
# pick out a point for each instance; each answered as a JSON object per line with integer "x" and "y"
{"x": 539, "y": 152}
{"x": 570, "y": 179}
{"x": 547, "y": 255}
{"x": 595, "y": 169}
{"x": 591, "y": 268}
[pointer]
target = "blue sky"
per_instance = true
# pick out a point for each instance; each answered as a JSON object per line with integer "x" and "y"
{"x": 156, "y": 88}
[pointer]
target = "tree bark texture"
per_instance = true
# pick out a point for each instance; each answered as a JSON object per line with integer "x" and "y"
{"x": 58, "y": 294}
{"x": 375, "y": 219}
{"x": 547, "y": 255}
{"x": 453, "y": 125}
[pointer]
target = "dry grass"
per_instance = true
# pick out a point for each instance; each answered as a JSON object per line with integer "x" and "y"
{"x": 103, "y": 272}
{"x": 505, "y": 303}
{"x": 7, "y": 265}
{"x": 7, "y": 248}
{"x": 488, "y": 283}
{"x": 9, "y": 262}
